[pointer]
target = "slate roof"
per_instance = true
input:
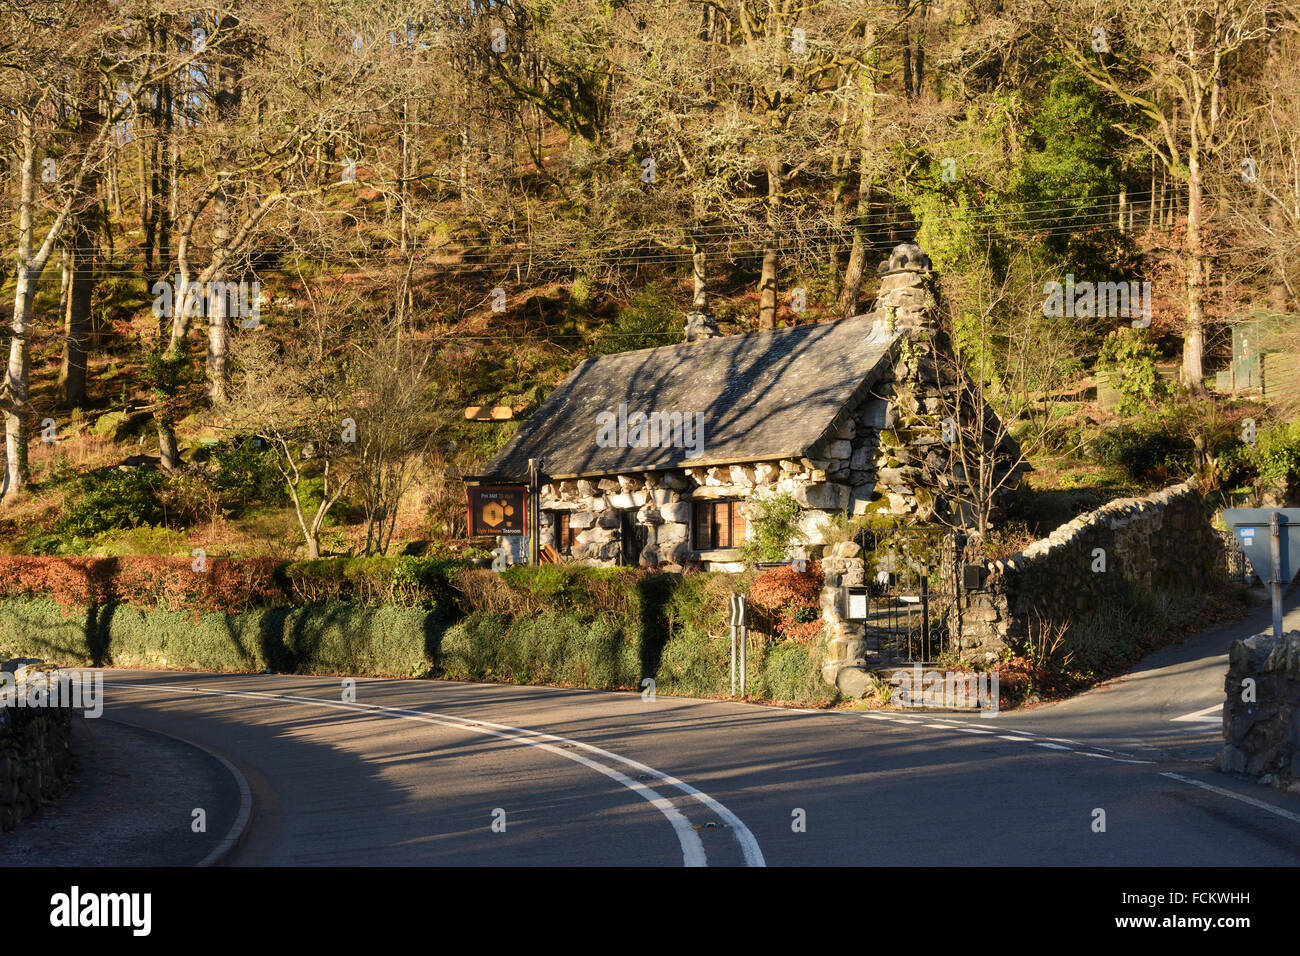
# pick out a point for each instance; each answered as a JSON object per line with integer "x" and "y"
{"x": 764, "y": 396}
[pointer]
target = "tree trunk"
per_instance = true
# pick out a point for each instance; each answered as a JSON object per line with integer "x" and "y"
{"x": 167, "y": 449}
{"x": 1194, "y": 339}
{"x": 16, "y": 410}
{"x": 13, "y": 392}
{"x": 1277, "y": 293}
{"x": 72, "y": 371}
{"x": 700, "y": 300}
{"x": 858, "y": 253}
{"x": 767, "y": 283}
{"x": 217, "y": 302}
{"x": 228, "y": 99}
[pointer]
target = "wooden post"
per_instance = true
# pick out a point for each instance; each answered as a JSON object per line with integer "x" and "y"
{"x": 534, "y": 511}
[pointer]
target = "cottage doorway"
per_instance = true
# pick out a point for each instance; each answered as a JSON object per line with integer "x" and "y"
{"x": 634, "y": 538}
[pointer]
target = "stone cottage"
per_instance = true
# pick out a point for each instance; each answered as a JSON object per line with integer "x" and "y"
{"x": 659, "y": 457}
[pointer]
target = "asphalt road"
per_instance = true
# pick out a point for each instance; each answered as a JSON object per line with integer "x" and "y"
{"x": 440, "y": 773}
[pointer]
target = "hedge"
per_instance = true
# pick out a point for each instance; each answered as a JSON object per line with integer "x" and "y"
{"x": 230, "y": 585}
{"x": 603, "y": 628}
{"x": 609, "y": 628}
{"x": 325, "y": 639}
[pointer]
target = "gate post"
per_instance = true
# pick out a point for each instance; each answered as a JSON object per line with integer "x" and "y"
{"x": 845, "y": 660}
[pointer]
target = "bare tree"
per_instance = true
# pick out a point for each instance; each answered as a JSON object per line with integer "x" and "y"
{"x": 999, "y": 364}
{"x": 1170, "y": 64}
{"x": 300, "y": 396}
{"x": 394, "y": 380}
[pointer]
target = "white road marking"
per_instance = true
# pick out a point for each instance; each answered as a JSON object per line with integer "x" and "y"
{"x": 1019, "y": 736}
{"x": 1286, "y": 814}
{"x": 1210, "y": 715}
{"x": 692, "y": 848}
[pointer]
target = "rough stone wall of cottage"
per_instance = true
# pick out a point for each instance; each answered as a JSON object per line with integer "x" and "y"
{"x": 1163, "y": 541}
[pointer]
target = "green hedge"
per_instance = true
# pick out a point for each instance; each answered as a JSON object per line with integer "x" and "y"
{"x": 580, "y": 627}
{"x": 609, "y": 628}
{"x": 328, "y": 639}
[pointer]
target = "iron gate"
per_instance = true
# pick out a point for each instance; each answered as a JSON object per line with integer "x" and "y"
{"x": 911, "y": 599}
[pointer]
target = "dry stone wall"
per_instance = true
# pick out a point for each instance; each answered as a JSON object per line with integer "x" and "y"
{"x": 1261, "y": 712}
{"x": 35, "y": 755}
{"x": 1164, "y": 541}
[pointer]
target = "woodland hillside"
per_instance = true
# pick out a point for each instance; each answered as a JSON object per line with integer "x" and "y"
{"x": 261, "y": 258}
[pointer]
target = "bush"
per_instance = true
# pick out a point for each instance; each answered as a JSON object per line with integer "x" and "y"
{"x": 773, "y": 525}
{"x": 1130, "y": 360}
{"x": 610, "y": 627}
{"x": 244, "y": 473}
{"x": 1148, "y": 452}
{"x": 1276, "y": 458}
{"x": 567, "y": 625}
{"x": 188, "y": 498}
{"x": 405, "y": 580}
{"x": 113, "y": 498}
{"x": 651, "y": 319}
{"x": 791, "y": 600}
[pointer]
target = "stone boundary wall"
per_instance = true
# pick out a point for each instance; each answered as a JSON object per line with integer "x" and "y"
{"x": 35, "y": 757}
{"x": 1162, "y": 541}
{"x": 1261, "y": 721}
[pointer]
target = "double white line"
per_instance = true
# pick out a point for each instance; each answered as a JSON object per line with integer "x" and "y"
{"x": 692, "y": 848}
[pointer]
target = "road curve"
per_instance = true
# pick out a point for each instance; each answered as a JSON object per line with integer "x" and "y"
{"x": 443, "y": 773}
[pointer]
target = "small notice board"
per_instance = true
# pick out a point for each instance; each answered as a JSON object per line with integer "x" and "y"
{"x": 498, "y": 509}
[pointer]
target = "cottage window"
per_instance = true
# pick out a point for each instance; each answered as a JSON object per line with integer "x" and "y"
{"x": 718, "y": 524}
{"x": 564, "y": 534}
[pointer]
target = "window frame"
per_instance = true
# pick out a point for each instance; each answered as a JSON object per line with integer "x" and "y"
{"x": 563, "y": 532}
{"x": 704, "y": 535}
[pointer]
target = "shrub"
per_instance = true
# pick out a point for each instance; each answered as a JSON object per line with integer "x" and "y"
{"x": 651, "y": 319}
{"x": 406, "y": 580}
{"x": 1276, "y": 457}
{"x": 381, "y": 642}
{"x": 1147, "y": 452}
{"x": 1130, "y": 360}
{"x": 113, "y": 498}
{"x": 792, "y": 601}
{"x": 791, "y": 672}
{"x": 187, "y": 498}
{"x": 245, "y": 472}
{"x": 772, "y": 527}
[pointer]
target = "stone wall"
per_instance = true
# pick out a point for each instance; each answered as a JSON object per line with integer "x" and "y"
{"x": 35, "y": 756}
{"x": 1261, "y": 713}
{"x": 1163, "y": 541}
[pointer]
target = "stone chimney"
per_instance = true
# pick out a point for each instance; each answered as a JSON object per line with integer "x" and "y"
{"x": 700, "y": 326}
{"x": 907, "y": 296}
